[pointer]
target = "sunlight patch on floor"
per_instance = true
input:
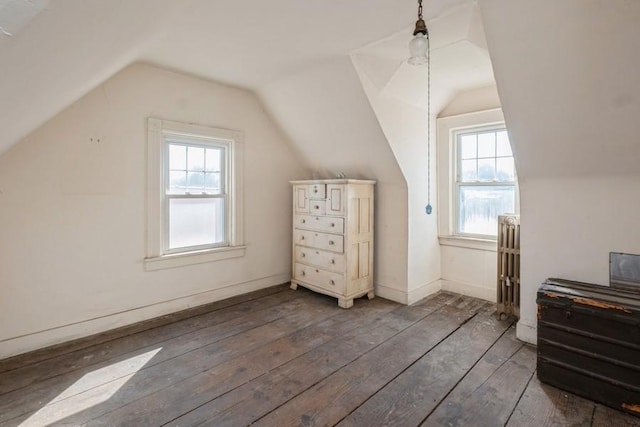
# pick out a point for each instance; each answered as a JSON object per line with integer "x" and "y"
{"x": 90, "y": 390}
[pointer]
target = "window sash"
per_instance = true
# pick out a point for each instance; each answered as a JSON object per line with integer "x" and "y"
{"x": 458, "y": 156}
{"x": 221, "y": 147}
{"x": 457, "y": 208}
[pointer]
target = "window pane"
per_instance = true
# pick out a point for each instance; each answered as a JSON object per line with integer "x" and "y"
{"x": 480, "y": 206}
{"x": 468, "y": 149}
{"x": 177, "y": 157}
{"x": 195, "y": 181}
{"x": 195, "y": 222}
{"x": 487, "y": 144}
{"x": 505, "y": 169}
{"x": 469, "y": 173}
{"x": 195, "y": 158}
{"x": 486, "y": 169}
{"x": 212, "y": 183}
{"x": 177, "y": 181}
{"x": 504, "y": 148}
{"x": 213, "y": 160}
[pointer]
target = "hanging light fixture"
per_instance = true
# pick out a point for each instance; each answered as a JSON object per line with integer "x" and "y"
{"x": 419, "y": 48}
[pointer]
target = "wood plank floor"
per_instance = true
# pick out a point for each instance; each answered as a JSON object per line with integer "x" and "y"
{"x": 279, "y": 357}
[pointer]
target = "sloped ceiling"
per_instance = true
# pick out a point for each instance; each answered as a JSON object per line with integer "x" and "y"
{"x": 567, "y": 74}
{"x": 72, "y": 46}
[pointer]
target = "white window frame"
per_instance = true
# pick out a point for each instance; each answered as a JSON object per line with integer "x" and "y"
{"x": 159, "y": 132}
{"x": 447, "y": 129}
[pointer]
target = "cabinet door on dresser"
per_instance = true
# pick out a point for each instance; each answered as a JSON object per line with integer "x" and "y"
{"x": 336, "y": 199}
{"x": 301, "y": 198}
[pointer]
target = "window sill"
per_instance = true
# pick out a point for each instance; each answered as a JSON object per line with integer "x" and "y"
{"x": 191, "y": 258}
{"x": 469, "y": 243}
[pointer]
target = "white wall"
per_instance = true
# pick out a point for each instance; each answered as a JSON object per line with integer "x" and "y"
{"x": 333, "y": 128}
{"x": 567, "y": 76}
{"x": 72, "y": 211}
{"x": 469, "y": 271}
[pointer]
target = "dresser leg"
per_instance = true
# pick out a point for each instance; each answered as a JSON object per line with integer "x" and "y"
{"x": 370, "y": 295}
{"x": 345, "y": 303}
{"x": 294, "y": 286}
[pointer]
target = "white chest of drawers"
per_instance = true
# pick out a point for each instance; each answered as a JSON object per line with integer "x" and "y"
{"x": 333, "y": 238}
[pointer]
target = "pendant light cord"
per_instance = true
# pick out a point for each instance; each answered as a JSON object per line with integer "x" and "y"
{"x": 428, "y": 208}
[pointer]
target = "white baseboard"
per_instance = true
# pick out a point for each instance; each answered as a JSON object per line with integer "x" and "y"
{"x": 404, "y": 297}
{"x": 424, "y": 291}
{"x": 17, "y": 345}
{"x": 469, "y": 289}
{"x": 527, "y": 333}
{"x": 391, "y": 294}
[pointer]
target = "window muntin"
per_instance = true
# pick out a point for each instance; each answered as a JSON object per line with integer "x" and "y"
{"x": 485, "y": 184}
{"x": 196, "y": 205}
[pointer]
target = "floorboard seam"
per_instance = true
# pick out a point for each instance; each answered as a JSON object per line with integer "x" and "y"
{"x": 467, "y": 373}
{"x": 410, "y": 365}
{"x": 593, "y": 414}
{"x": 520, "y": 398}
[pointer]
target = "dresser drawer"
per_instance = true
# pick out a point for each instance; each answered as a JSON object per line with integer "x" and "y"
{"x": 328, "y": 242}
{"x": 319, "y": 223}
{"x": 317, "y": 191}
{"x": 315, "y": 276}
{"x": 317, "y": 207}
{"x": 326, "y": 260}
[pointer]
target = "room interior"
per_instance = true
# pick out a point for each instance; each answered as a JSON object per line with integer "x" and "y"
{"x": 318, "y": 90}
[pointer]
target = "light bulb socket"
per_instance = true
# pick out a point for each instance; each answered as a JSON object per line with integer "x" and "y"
{"x": 421, "y": 28}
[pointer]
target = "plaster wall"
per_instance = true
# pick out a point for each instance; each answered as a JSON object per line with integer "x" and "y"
{"x": 72, "y": 211}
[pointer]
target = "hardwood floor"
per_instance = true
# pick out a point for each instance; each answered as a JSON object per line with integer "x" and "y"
{"x": 279, "y": 357}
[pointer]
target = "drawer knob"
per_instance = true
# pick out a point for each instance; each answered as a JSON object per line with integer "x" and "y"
{"x": 315, "y": 190}
{"x": 303, "y": 273}
{"x": 332, "y": 224}
{"x": 331, "y": 242}
{"x": 303, "y": 255}
{"x": 302, "y": 238}
{"x": 333, "y": 261}
{"x": 331, "y": 282}
{"x": 317, "y": 271}
{"x": 304, "y": 221}
{"x": 316, "y": 207}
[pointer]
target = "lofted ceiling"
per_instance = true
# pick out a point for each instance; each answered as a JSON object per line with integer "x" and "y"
{"x": 67, "y": 48}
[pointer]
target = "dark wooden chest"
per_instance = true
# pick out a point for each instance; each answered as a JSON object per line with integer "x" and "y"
{"x": 589, "y": 342}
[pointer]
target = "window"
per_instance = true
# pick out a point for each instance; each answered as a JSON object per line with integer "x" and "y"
{"x": 485, "y": 185}
{"x": 477, "y": 180}
{"x": 194, "y": 201}
{"x": 195, "y": 194}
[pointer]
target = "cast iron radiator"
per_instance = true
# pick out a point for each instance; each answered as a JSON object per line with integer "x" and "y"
{"x": 508, "y": 280}
{"x": 589, "y": 342}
